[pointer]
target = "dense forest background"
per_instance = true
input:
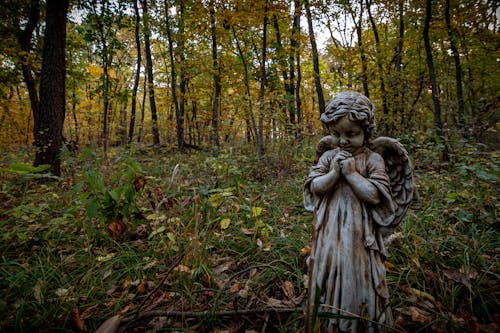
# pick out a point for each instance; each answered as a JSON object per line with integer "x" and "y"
{"x": 153, "y": 155}
{"x": 211, "y": 74}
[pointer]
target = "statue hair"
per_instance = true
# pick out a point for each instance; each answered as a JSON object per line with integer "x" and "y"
{"x": 356, "y": 106}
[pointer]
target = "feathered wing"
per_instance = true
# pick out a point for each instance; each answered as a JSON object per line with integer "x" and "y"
{"x": 326, "y": 143}
{"x": 399, "y": 169}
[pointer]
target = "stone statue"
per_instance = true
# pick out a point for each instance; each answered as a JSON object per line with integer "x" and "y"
{"x": 359, "y": 190}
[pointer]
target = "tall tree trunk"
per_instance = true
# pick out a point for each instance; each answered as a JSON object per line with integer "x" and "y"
{"x": 359, "y": 32}
{"x": 296, "y": 49}
{"x": 378, "y": 58}
{"x": 122, "y": 128}
{"x": 287, "y": 82}
{"x": 397, "y": 84}
{"x": 458, "y": 67}
{"x": 317, "y": 75}
{"x": 432, "y": 75}
{"x": 182, "y": 63}
{"x": 73, "y": 111}
{"x": 24, "y": 38}
{"x": 216, "y": 80}
{"x": 50, "y": 117}
{"x": 262, "y": 90}
{"x": 149, "y": 70}
{"x": 253, "y": 125}
{"x": 173, "y": 84}
{"x": 137, "y": 72}
{"x": 106, "y": 63}
{"x": 143, "y": 107}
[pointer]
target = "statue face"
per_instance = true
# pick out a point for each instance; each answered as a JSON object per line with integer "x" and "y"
{"x": 350, "y": 135}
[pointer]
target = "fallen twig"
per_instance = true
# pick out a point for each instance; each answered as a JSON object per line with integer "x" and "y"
{"x": 204, "y": 314}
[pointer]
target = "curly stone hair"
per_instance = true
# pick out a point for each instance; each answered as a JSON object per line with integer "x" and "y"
{"x": 353, "y": 104}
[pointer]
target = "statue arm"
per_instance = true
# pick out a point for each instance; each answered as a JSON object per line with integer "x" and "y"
{"x": 322, "y": 184}
{"x": 363, "y": 188}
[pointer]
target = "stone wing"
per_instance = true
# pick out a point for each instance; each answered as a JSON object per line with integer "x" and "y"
{"x": 326, "y": 143}
{"x": 399, "y": 169}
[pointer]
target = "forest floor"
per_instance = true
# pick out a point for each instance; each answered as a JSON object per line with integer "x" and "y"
{"x": 160, "y": 240}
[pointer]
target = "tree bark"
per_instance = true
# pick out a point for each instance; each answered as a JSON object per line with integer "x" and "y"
{"x": 251, "y": 122}
{"x": 396, "y": 83}
{"x": 438, "y": 126}
{"x": 173, "y": 84}
{"x": 216, "y": 80}
{"x": 24, "y": 38}
{"x": 51, "y": 112}
{"x": 385, "y": 108}
{"x": 284, "y": 67}
{"x": 137, "y": 72}
{"x": 458, "y": 67}
{"x": 262, "y": 90}
{"x": 317, "y": 75}
{"x": 149, "y": 70}
{"x": 296, "y": 49}
{"x": 359, "y": 33}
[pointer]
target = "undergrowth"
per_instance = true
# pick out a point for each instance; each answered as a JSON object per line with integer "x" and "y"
{"x": 143, "y": 230}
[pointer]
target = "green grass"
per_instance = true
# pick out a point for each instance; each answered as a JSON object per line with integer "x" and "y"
{"x": 240, "y": 226}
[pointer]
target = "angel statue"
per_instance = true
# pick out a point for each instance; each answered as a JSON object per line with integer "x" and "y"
{"x": 358, "y": 189}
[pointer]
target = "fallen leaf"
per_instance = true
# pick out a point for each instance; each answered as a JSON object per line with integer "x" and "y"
{"x": 76, "y": 321}
{"x": 37, "y": 292}
{"x": 116, "y": 228}
{"x": 61, "y": 292}
{"x": 235, "y": 287}
{"x": 150, "y": 265}
{"x": 305, "y": 251}
{"x": 274, "y": 303}
{"x": 224, "y": 223}
{"x": 288, "y": 289}
{"x": 182, "y": 268}
{"x": 421, "y": 294}
{"x": 418, "y": 316}
{"x": 139, "y": 183}
{"x": 106, "y": 257}
{"x": 247, "y": 231}
{"x": 389, "y": 265}
{"x": 185, "y": 202}
{"x": 110, "y": 326}
{"x": 470, "y": 322}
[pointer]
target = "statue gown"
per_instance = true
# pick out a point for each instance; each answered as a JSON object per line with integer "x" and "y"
{"x": 349, "y": 253}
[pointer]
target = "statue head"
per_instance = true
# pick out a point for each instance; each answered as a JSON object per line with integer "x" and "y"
{"x": 357, "y": 107}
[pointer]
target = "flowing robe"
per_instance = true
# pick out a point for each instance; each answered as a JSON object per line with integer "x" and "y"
{"x": 348, "y": 252}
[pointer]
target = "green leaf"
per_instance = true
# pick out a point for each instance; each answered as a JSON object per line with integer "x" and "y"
{"x": 23, "y": 169}
{"x": 157, "y": 231}
{"x": 92, "y": 207}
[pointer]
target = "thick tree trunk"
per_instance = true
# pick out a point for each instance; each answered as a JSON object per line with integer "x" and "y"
{"x": 149, "y": 70}
{"x": 432, "y": 75}
{"x": 216, "y": 80}
{"x": 458, "y": 67}
{"x": 51, "y": 112}
{"x": 137, "y": 72}
{"x": 317, "y": 75}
